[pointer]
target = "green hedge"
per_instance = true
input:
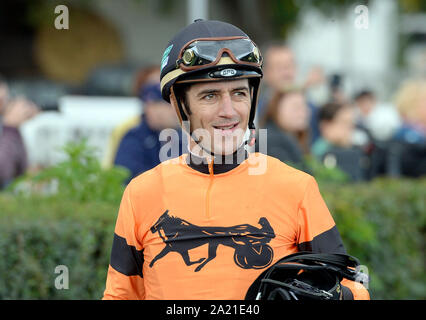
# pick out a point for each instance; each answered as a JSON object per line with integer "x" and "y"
{"x": 382, "y": 223}
{"x": 39, "y": 234}
{"x": 64, "y": 215}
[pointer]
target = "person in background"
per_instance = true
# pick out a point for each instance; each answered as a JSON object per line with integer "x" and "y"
{"x": 375, "y": 125}
{"x": 13, "y": 155}
{"x": 334, "y": 148}
{"x": 380, "y": 121}
{"x": 337, "y": 92}
{"x": 149, "y": 74}
{"x": 139, "y": 150}
{"x": 280, "y": 72}
{"x": 408, "y": 150}
{"x": 365, "y": 101}
{"x": 287, "y": 122}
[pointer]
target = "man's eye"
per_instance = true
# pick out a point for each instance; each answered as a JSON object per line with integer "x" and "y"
{"x": 208, "y": 97}
{"x": 240, "y": 93}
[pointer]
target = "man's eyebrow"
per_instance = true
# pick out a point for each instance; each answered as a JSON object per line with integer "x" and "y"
{"x": 211, "y": 91}
{"x": 244, "y": 88}
{"x": 206, "y": 92}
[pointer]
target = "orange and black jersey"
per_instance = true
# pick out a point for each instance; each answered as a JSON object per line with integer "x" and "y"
{"x": 196, "y": 231}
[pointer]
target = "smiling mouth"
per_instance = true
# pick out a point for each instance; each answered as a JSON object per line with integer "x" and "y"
{"x": 227, "y": 127}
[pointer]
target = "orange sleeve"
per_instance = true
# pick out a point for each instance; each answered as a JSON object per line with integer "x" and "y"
{"x": 359, "y": 292}
{"x": 125, "y": 277}
{"x": 318, "y": 233}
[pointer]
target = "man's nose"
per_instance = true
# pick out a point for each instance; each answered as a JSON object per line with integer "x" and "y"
{"x": 227, "y": 109}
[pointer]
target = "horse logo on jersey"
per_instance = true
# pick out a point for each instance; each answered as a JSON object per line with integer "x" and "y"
{"x": 249, "y": 242}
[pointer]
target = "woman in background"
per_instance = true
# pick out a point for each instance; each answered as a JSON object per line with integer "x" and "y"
{"x": 287, "y": 121}
{"x": 407, "y": 153}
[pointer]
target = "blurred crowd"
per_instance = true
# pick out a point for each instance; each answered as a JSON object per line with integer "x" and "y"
{"x": 356, "y": 134}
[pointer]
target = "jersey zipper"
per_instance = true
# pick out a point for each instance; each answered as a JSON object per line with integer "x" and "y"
{"x": 211, "y": 177}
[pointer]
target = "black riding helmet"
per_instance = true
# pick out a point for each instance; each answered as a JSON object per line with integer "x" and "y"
{"x": 210, "y": 51}
{"x": 306, "y": 275}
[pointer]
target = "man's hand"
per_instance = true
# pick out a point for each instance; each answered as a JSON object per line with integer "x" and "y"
{"x": 18, "y": 111}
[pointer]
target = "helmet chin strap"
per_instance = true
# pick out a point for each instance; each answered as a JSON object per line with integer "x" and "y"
{"x": 199, "y": 144}
{"x": 252, "y": 138}
{"x": 250, "y": 142}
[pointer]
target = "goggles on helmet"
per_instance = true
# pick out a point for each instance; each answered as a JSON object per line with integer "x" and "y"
{"x": 200, "y": 53}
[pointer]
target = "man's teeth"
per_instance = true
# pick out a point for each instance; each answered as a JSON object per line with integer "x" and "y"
{"x": 225, "y": 128}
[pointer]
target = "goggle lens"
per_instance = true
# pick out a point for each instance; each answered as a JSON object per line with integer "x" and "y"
{"x": 202, "y": 52}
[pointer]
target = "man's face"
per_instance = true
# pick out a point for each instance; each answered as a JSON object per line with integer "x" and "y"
{"x": 219, "y": 114}
{"x": 280, "y": 68}
{"x": 366, "y": 104}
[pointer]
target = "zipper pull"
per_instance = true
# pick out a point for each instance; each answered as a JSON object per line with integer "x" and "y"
{"x": 211, "y": 167}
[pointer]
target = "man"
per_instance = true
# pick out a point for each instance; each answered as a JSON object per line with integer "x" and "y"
{"x": 13, "y": 113}
{"x": 280, "y": 73}
{"x": 375, "y": 125}
{"x": 205, "y": 225}
{"x": 139, "y": 150}
{"x": 146, "y": 75}
{"x": 379, "y": 121}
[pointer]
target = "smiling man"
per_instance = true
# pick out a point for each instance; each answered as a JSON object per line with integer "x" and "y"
{"x": 219, "y": 114}
{"x": 207, "y": 225}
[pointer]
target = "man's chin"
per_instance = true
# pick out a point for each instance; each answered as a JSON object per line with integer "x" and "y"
{"x": 227, "y": 148}
{"x": 219, "y": 146}
{"x": 217, "y": 151}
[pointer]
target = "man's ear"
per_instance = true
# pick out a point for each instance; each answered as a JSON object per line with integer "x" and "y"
{"x": 176, "y": 105}
{"x": 182, "y": 115}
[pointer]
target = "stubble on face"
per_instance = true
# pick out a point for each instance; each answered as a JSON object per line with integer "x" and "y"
{"x": 219, "y": 114}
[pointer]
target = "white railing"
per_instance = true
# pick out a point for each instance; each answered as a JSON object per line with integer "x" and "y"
{"x": 78, "y": 116}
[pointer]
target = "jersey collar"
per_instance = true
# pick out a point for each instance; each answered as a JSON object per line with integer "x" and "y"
{"x": 221, "y": 164}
